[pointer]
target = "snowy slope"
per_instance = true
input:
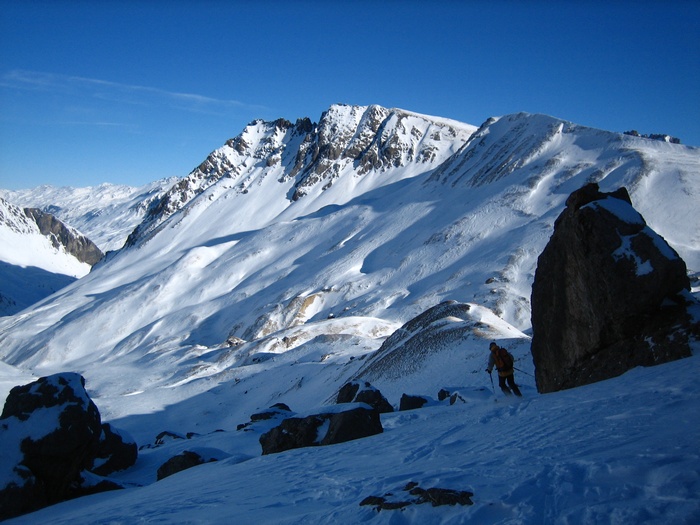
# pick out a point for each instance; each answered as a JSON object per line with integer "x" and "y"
{"x": 389, "y": 244}
{"x": 31, "y": 267}
{"x": 618, "y": 452}
{"x": 106, "y": 213}
{"x": 306, "y": 246}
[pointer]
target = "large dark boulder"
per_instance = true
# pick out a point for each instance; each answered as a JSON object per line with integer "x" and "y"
{"x": 52, "y": 438}
{"x": 116, "y": 451}
{"x": 187, "y": 459}
{"x": 364, "y": 392}
{"x": 608, "y": 294}
{"x": 50, "y": 432}
{"x": 409, "y": 402}
{"x": 322, "y": 429}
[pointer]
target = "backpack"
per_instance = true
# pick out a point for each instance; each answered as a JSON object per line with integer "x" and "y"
{"x": 504, "y": 360}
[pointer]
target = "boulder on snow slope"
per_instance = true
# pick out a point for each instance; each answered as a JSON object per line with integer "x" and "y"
{"x": 608, "y": 294}
{"x": 116, "y": 451}
{"x": 409, "y": 402}
{"x": 185, "y": 460}
{"x": 50, "y": 430}
{"x": 364, "y": 392}
{"x": 328, "y": 428}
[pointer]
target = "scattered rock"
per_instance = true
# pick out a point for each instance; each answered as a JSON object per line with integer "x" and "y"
{"x": 435, "y": 496}
{"x": 116, "y": 451}
{"x": 166, "y": 436}
{"x": 421, "y": 339}
{"x": 411, "y": 402}
{"x": 609, "y": 294}
{"x": 183, "y": 461}
{"x": 274, "y": 411}
{"x": 363, "y": 392}
{"x": 322, "y": 429}
{"x": 453, "y": 397}
{"x": 278, "y": 410}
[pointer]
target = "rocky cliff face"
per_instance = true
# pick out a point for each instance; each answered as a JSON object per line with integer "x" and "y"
{"x": 61, "y": 235}
{"x": 307, "y": 156}
{"x": 608, "y": 294}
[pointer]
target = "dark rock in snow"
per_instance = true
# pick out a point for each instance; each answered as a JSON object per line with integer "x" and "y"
{"x": 443, "y": 394}
{"x": 183, "y": 461}
{"x": 274, "y": 411}
{"x": 167, "y": 435}
{"x": 453, "y": 397}
{"x": 50, "y": 431}
{"x": 411, "y": 402}
{"x": 363, "y": 392}
{"x": 608, "y": 294}
{"x": 435, "y": 496}
{"x": 278, "y": 410}
{"x": 116, "y": 451}
{"x": 322, "y": 429}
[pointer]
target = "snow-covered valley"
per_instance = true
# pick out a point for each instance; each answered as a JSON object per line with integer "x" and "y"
{"x": 276, "y": 269}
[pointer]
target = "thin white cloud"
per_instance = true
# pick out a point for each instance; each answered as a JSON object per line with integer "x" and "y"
{"x": 116, "y": 91}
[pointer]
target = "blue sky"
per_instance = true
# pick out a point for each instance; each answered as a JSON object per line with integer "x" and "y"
{"x": 129, "y": 92}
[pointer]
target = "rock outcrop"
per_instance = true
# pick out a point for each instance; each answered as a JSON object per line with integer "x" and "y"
{"x": 50, "y": 432}
{"x": 61, "y": 235}
{"x": 116, "y": 451}
{"x": 364, "y": 392}
{"x": 313, "y": 155}
{"x": 417, "y": 495}
{"x": 406, "y": 349}
{"x": 327, "y": 428}
{"x": 608, "y": 294}
{"x": 409, "y": 402}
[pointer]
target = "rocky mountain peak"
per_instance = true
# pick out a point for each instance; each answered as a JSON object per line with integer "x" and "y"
{"x": 309, "y": 157}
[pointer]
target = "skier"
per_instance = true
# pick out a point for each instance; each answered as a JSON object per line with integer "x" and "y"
{"x": 503, "y": 361}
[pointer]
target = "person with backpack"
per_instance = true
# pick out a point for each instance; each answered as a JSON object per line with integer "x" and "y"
{"x": 503, "y": 361}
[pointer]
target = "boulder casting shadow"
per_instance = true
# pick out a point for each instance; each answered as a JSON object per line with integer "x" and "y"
{"x": 609, "y": 294}
{"x": 52, "y": 437}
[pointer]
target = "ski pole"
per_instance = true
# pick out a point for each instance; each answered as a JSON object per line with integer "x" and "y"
{"x": 492, "y": 387}
{"x": 523, "y": 371}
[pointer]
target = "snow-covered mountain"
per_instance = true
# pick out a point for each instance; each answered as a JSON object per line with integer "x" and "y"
{"x": 271, "y": 272}
{"x": 106, "y": 214}
{"x": 38, "y": 256}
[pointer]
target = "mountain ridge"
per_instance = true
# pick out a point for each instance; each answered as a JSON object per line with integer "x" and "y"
{"x": 242, "y": 256}
{"x": 304, "y": 155}
{"x": 244, "y": 297}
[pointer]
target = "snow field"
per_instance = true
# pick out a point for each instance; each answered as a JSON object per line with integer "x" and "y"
{"x": 620, "y": 451}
